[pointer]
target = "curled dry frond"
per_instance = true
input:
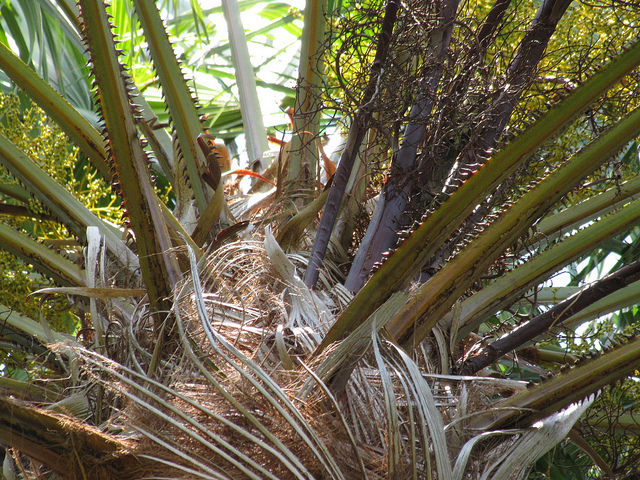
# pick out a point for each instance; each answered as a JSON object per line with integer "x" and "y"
{"x": 234, "y": 400}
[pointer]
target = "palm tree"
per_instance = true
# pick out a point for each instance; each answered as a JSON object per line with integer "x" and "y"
{"x": 212, "y": 355}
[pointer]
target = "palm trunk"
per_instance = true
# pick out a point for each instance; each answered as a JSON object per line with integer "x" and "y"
{"x": 389, "y": 218}
{"x": 347, "y": 159}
